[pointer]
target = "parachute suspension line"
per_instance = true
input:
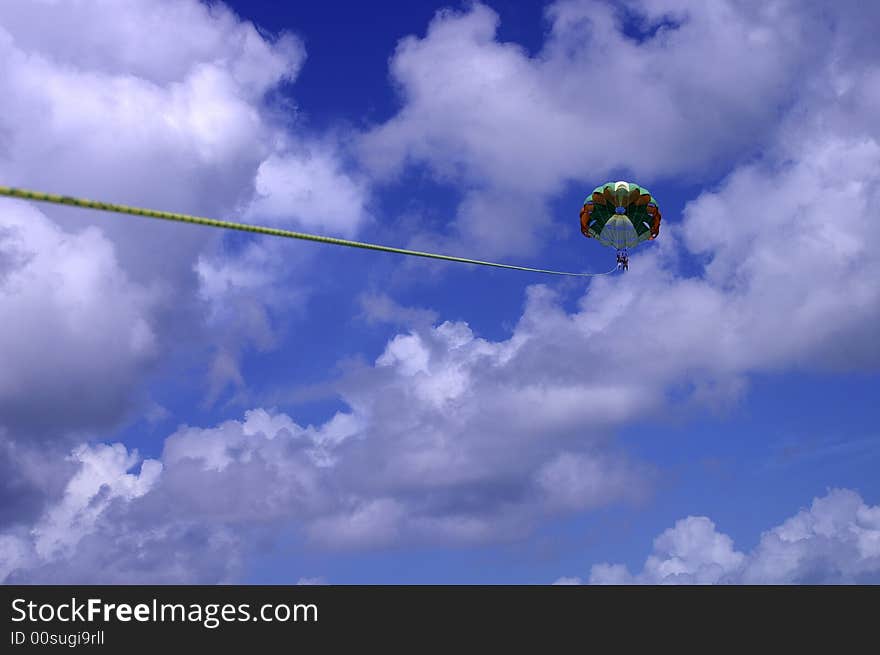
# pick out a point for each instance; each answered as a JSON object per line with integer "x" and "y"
{"x": 39, "y": 196}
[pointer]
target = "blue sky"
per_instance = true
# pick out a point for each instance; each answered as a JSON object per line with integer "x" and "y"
{"x": 186, "y": 406}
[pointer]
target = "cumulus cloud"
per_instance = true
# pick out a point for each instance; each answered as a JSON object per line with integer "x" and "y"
{"x": 441, "y": 443}
{"x": 77, "y": 330}
{"x": 310, "y": 189}
{"x": 160, "y": 119}
{"x": 437, "y": 444}
{"x": 117, "y": 106}
{"x": 462, "y": 438}
{"x": 159, "y": 103}
{"x": 91, "y": 533}
{"x": 770, "y": 299}
{"x": 835, "y": 541}
{"x": 783, "y": 287}
{"x": 101, "y": 478}
{"x": 707, "y": 84}
{"x": 156, "y": 40}
{"x": 454, "y": 429}
{"x": 449, "y": 437}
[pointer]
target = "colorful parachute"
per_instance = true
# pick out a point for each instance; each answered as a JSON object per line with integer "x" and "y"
{"x": 620, "y": 215}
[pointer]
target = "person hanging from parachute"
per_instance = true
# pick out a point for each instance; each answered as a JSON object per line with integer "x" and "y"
{"x": 620, "y": 215}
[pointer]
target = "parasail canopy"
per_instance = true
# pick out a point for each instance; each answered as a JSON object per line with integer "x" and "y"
{"x": 620, "y": 215}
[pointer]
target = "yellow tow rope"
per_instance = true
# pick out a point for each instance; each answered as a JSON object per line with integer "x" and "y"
{"x": 39, "y": 196}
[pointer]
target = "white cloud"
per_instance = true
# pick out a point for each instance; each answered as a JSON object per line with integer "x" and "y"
{"x": 772, "y": 296}
{"x": 158, "y": 111}
{"x": 93, "y": 532}
{"x": 511, "y": 128}
{"x": 309, "y": 189}
{"x": 157, "y": 40}
{"x": 449, "y": 437}
{"x": 78, "y": 331}
{"x": 432, "y": 448}
{"x": 435, "y": 448}
{"x": 690, "y": 553}
{"x": 450, "y": 413}
{"x": 106, "y": 100}
{"x": 102, "y": 477}
{"x": 835, "y": 541}
{"x": 158, "y": 103}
